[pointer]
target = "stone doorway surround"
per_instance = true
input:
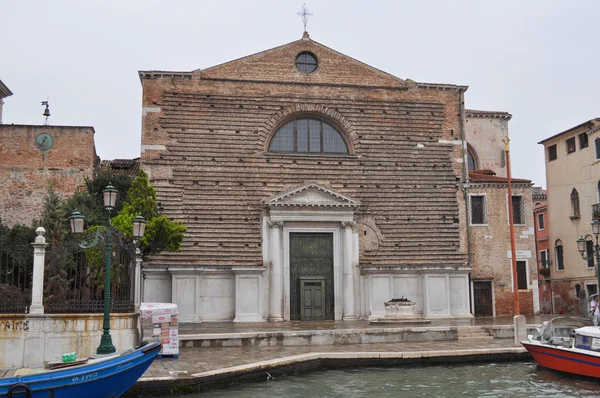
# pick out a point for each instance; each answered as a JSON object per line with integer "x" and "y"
{"x": 310, "y": 208}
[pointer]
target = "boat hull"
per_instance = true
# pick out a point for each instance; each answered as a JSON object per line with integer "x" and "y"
{"x": 109, "y": 378}
{"x": 564, "y": 359}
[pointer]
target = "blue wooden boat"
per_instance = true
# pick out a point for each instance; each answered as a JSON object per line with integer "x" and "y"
{"x": 99, "y": 378}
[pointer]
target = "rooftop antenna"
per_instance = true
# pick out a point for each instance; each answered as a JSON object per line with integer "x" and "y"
{"x": 47, "y": 110}
{"x": 304, "y": 14}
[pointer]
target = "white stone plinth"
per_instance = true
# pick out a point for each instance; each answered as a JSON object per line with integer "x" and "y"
{"x": 248, "y": 294}
{"x": 400, "y": 309}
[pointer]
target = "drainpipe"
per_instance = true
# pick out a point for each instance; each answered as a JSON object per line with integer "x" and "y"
{"x": 465, "y": 184}
{"x": 465, "y": 181}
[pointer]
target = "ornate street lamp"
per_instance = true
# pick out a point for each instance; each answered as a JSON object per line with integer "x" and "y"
{"x": 109, "y": 195}
{"x": 582, "y": 247}
{"x": 139, "y": 227}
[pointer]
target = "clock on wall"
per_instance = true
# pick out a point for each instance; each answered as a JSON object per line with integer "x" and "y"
{"x": 44, "y": 141}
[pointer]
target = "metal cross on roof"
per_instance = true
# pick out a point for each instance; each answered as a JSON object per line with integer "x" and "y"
{"x": 304, "y": 14}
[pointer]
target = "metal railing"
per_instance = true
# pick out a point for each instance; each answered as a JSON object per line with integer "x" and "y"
{"x": 16, "y": 275}
{"x": 81, "y": 288}
{"x": 596, "y": 211}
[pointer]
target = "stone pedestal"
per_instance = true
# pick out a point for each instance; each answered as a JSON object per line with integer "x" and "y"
{"x": 37, "y": 291}
{"x": 400, "y": 311}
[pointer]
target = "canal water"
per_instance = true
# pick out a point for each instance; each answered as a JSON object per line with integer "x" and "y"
{"x": 513, "y": 379}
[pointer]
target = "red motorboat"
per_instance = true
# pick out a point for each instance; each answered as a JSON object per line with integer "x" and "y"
{"x": 568, "y": 345}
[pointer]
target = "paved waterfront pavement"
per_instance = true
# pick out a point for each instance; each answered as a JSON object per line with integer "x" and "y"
{"x": 210, "y": 359}
{"x": 234, "y": 327}
{"x": 196, "y": 364}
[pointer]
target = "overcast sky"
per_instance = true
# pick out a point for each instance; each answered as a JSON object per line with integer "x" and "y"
{"x": 538, "y": 60}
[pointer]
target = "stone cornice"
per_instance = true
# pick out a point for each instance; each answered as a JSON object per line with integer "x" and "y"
{"x": 443, "y": 87}
{"x": 153, "y": 74}
{"x": 279, "y": 199}
{"x": 4, "y": 91}
{"x": 488, "y": 114}
{"x": 414, "y": 269}
{"x": 500, "y": 184}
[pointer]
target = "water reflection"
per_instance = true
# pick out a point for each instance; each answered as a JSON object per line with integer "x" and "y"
{"x": 520, "y": 379}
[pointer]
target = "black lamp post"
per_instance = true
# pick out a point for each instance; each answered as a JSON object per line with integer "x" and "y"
{"x": 77, "y": 219}
{"x": 582, "y": 247}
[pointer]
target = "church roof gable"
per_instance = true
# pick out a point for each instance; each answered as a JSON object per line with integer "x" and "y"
{"x": 279, "y": 65}
{"x": 311, "y": 195}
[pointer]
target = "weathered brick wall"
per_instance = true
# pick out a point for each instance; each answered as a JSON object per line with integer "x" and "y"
{"x": 490, "y": 244}
{"x": 542, "y": 243}
{"x": 505, "y": 305}
{"x": 565, "y": 302}
{"x": 205, "y": 135}
{"x": 26, "y": 172}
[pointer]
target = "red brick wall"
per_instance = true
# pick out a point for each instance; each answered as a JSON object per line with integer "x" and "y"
{"x": 204, "y": 136}
{"x": 26, "y": 172}
{"x": 505, "y": 303}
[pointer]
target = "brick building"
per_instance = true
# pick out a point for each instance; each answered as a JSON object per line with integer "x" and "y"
{"x": 488, "y": 231}
{"x": 33, "y": 158}
{"x": 313, "y": 186}
{"x": 540, "y": 217}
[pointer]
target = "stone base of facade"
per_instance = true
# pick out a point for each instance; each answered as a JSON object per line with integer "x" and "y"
{"x": 243, "y": 295}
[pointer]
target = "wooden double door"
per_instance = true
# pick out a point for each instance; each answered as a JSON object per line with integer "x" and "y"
{"x": 311, "y": 276}
{"x": 482, "y": 295}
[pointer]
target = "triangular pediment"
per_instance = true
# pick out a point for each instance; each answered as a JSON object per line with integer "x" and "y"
{"x": 311, "y": 195}
{"x": 279, "y": 65}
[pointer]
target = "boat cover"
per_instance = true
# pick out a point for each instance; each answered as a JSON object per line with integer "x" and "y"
{"x": 558, "y": 330}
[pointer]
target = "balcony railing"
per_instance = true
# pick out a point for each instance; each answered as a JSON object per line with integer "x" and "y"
{"x": 545, "y": 263}
{"x": 596, "y": 211}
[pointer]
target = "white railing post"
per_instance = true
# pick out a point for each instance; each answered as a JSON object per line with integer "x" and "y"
{"x": 137, "y": 297}
{"x": 37, "y": 290}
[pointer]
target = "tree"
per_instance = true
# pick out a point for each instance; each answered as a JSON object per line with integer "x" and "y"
{"x": 106, "y": 177}
{"x": 54, "y": 218}
{"x": 59, "y": 257}
{"x": 89, "y": 201}
{"x": 161, "y": 233}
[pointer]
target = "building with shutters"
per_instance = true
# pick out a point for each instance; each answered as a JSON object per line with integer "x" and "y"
{"x": 540, "y": 217}
{"x": 573, "y": 190}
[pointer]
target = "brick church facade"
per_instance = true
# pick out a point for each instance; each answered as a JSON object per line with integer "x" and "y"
{"x": 313, "y": 186}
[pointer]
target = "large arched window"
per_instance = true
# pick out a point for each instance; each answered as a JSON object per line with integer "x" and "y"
{"x": 558, "y": 254}
{"x": 471, "y": 159}
{"x": 308, "y": 135}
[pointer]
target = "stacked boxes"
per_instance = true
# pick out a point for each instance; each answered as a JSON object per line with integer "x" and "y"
{"x": 164, "y": 326}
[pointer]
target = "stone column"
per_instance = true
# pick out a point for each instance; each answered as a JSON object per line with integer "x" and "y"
{"x": 275, "y": 288}
{"x": 137, "y": 292}
{"x": 37, "y": 290}
{"x": 349, "y": 313}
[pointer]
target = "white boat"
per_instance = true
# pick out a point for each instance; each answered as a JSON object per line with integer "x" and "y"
{"x": 567, "y": 344}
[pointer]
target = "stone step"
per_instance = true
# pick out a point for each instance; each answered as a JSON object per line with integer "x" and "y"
{"x": 473, "y": 333}
{"x": 476, "y": 338}
{"x": 319, "y": 337}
